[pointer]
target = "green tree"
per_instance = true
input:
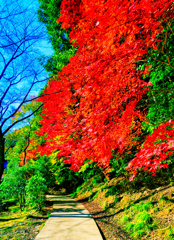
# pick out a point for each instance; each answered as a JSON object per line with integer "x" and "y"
{"x": 161, "y": 64}
{"x": 49, "y": 12}
{"x": 22, "y": 144}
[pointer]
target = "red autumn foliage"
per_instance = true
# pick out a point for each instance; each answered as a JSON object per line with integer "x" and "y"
{"x": 156, "y": 149}
{"x": 95, "y": 110}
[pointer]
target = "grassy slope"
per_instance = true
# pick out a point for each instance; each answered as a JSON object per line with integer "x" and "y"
{"x": 130, "y": 212}
{"x": 17, "y": 224}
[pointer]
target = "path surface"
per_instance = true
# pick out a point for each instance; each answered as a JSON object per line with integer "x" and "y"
{"x": 69, "y": 220}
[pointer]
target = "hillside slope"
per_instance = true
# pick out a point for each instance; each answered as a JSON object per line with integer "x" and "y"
{"x": 142, "y": 213}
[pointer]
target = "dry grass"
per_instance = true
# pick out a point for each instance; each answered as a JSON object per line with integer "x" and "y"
{"x": 138, "y": 214}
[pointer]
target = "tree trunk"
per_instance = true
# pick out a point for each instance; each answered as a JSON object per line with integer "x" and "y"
{"x": 2, "y": 158}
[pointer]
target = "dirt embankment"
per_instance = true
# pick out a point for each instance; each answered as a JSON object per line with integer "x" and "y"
{"x": 138, "y": 214}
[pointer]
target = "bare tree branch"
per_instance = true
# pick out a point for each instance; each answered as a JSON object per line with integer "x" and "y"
{"x": 42, "y": 95}
{"x": 20, "y": 120}
{"x": 21, "y": 71}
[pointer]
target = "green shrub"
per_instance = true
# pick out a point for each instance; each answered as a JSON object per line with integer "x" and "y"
{"x": 96, "y": 180}
{"x": 112, "y": 190}
{"x": 143, "y": 218}
{"x": 137, "y": 221}
{"x": 125, "y": 219}
{"x": 35, "y": 190}
{"x": 90, "y": 170}
{"x": 170, "y": 235}
{"x": 13, "y": 185}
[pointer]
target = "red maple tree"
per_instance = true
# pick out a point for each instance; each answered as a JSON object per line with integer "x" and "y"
{"x": 155, "y": 151}
{"x": 95, "y": 110}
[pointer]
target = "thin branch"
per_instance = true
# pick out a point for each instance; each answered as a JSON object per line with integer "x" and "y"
{"x": 20, "y": 120}
{"x": 6, "y": 91}
{"x": 3, "y": 58}
{"x": 42, "y": 95}
{"x": 18, "y": 106}
{"x": 11, "y": 59}
{"x": 168, "y": 64}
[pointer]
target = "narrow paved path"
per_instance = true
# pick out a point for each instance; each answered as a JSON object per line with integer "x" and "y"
{"x": 69, "y": 220}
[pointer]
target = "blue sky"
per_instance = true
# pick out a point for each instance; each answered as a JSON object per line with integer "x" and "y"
{"x": 46, "y": 47}
{"x": 12, "y": 32}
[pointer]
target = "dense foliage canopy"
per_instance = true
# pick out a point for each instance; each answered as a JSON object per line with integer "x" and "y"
{"x": 104, "y": 95}
{"x": 110, "y": 108}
